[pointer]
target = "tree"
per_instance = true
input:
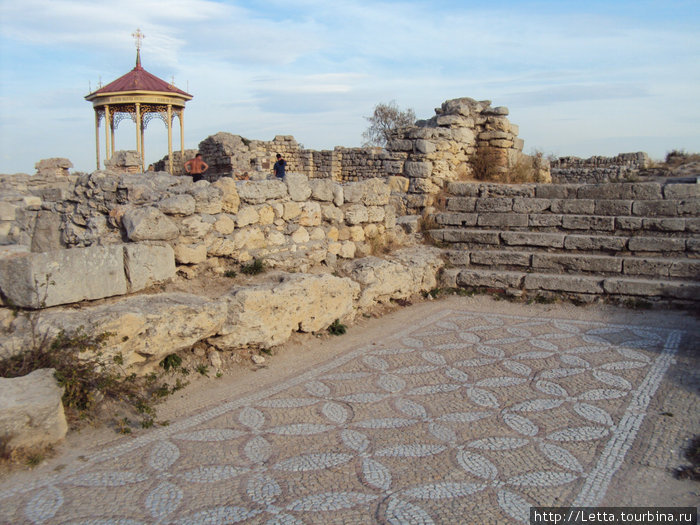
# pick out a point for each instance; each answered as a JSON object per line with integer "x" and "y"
{"x": 385, "y": 119}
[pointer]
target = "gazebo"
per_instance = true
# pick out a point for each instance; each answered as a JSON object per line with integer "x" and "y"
{"x": 140, "y": 96}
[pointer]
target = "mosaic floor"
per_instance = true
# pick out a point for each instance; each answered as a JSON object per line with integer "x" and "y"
{"x": 466, "y": 418}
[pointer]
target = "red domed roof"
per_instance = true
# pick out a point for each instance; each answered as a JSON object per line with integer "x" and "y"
{"x": 138, "y": 79}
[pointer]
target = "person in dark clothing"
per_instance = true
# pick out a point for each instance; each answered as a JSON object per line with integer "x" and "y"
{"x": 280, "y": 166}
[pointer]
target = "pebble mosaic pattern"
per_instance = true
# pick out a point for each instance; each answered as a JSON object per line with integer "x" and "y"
{"x": 469, "y": 418}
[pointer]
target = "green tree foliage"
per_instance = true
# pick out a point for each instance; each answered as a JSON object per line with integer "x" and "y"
{"x": 385, "y": 119}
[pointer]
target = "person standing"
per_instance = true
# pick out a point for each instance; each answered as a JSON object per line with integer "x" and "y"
{"x": 196, "y": 167}
{"x": 280, "y": 166}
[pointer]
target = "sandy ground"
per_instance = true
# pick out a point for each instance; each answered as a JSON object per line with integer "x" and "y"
{"x": 673, "y": 419}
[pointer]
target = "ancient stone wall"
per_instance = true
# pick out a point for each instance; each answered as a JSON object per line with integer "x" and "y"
{"x": 598, "y": 169}
{"x": 291, "y": 223}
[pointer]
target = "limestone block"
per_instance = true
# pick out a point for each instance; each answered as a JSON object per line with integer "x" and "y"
{"x": 347, "y": 250}
{"x": 454, "y": 120}
{"x": 563, "y": 283}
{"x": 577, "y": 263}
{"x": 595, "y": 243}
{"x": 530, "y": 205}
{"x": 551, "y": 240}
{"x": 656, "y": 244}
{"x": 355, "y": 214}
{"x": 490, "y": 279}
{"x": 425, "y": 146}
{"x": 221, "y": 247}
{"x": 334, "y": 248}
{"x": 502, "y": 220}
{"x": 229, "y": 194}
{"x": 400, "y": 145}
{"x": 647, "y": 266}
{"x": 464, "y": 135}
{"x": 207, "y": 199}
{"x": 423, "y": 186}
{"x": 655, "y": 208}
{"x": 406, "y": 272}
{"x": 353, "y": 192}
{"x": 38, "y": 280}
{"x": 681, "y": 191}
{"x": 317, "y": 234}
{"x": 588, "y": 222}
{"x": 246, "y": 215}
{"x": 357, "y": 234}
{"x": 182, "y": 204}
{"x": 148, "y": 224}
{"x": 409, "y": 223}
{"x": 331, "y": 213}
{"x": 687, "y": 268}
{"x": 332, "y": 234}
{"x": 310, "y": 214}
{"x": 276, "y": 238}
{"x": 195, "y": 227}
{"x": 297, "y": 186}
{"x": 418, "y": 169}
{"x": 267, "y": 314}
{"x": 31, "y": 411}
{"x": 148, "y": 264}
{"x": 266, "y": 214}
{"x": 224, "y": 225}
{"x": 628, "y": 223}
{"x": 145, "y": 328}
{"x": 250, "y": 238}
{"x": 456, "y": 219}
{"x": 649, "y": 288}
{"x": 389, "y": 216}
{"x": 466, "y": 189}
{"x": 300, "y": 236}
{"x": 47, "y": 232}
{"x": 321, "y": 189}
{"x": 689, "y": 207}
{"x": 376, "y": 192}
{"x": 576, "y": 206}
{"x": 613, "y": 207}
{"x": 559, "y": 191}
{"x": 463, "y": 204}
{"x": 8, "y": 212}
{"x": 338, "y": 195}
{"x": 190, "y": 253}
{"x": 497, "y": 257}
{"x": 258, "y": 191}
{"x": 494, "y": 204}
{"x": 375, "y": 213}
{"x": 665, "y": 224}
{"x": 546, "y": 220}
{"x": 397, "y": 184}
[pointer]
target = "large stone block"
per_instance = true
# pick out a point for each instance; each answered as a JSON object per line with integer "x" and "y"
{"x": 266, "y": 314}
{"x": 656, "y": 208}
{"x": 490, "y": 278}
{"x": 322, "y": 189}
{"x": 406, "y": 272}
{"x": 178, "y": 205}
{"x": 467, "y": 204}
{"x": 494, "y": 204}
{"x": 298, "y": 186}
{"x": 652, "y": 288}
{"x": 148, "y": 264}
{"x": 530, "y": 205}
{"x": 376, "y": 193}
{"x": 31, "y": 412}
{"x": 656, "y": 244}
{"x": 551, "y": 240}
{"x": 577, "y": 263}
{"x": 500, "y": 257}
{"x": 681, "y": 191}
{"x": 563, "y": 283}
{"x": 229, "y": 194}
{"x": 258, "y": 191}
{"x": 148, "y": 224}
{"x": 207, "y": 199}
{"x": 595, "y": 242}
{"x": 588, "y": 222}
{"x": 38, "y": 280}
{"x": 502, "y": 220}
{"x": 418, "y": 169}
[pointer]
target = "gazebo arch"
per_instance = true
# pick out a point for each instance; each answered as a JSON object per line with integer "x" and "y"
{"x": 140, "y": 96}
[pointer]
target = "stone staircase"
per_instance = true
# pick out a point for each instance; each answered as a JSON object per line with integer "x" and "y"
{"x": 623, "y": 241}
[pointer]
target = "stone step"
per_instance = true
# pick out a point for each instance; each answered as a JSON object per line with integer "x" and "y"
{"x": 612, "y": 244}
{"x": 647, "y": 267}
{"x": 560, "y": 221}
{"x": 578, "y": 285}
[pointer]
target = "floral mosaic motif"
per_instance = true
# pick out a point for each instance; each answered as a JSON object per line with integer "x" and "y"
{"x": 466, "y": 408}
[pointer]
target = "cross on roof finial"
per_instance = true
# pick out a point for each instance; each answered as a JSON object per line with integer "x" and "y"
{"x": 138, "y": 37}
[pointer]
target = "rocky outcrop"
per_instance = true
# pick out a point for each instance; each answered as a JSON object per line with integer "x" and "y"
{"x": 31, "y": 412}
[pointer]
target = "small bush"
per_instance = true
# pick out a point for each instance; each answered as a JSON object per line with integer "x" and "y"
{"x": 171, "y": 362}
{"x": 253, "y": 268}
{"x": 337, "y": 328}
{"x": 230, "y": 273}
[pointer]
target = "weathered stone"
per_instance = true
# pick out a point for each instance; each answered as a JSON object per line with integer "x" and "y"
{"x": 657, "y": 208}
{"x": 190, "y": 253}
{"x": 490, "y": 279}
{"x": 257, "y": 192}
{"x": 502, "y": 220}
{"x": 47, "y": 232}
{"x": 221, "y": 247}
{"x": 230, "y": 201}
{"x": 656, "y": 244}
{"x": 544, "y": 220}
{"x": 406, "y": 272}
{"x": 681, "y": 191}
{"x": 664, "y": 224}
{"x": 247, "y": 215}
{"x": 38, "y": 280}
{"x": 148, "y": 264}
{"x": 398, "y": 184}
{"x": 207, "y": 199}
{"x": 250, "y": 238}
{"x": 182, "y": 204}
{"x": 530, "y": 205}
{"x": 321, "y": 189}
{"x": 31, "y": 411}
{"x": 224, "y": 224}
{"x": 148, "y": 224}
{"x": 266, "y": 214}
{"x": 577, "y": 263}
{"x": 493, "y": 257}
{"x": 466, "y": 189}
{"x": 376, "y": 193}
{"x": 613, "y": 207}
{"x": 577, "y": 206}
{"x": 353, "y": 192}
{"x": 557, "y": 191}
{"x": 646, "y": 266}
{"x": 310, "y": 214}
{"x": 409, "y": 223}
{"x": 456, "y": 219}
{"x": 588, "y": 222}
{"x": 355, "y": 214}
{"x": 195, "y": 227}
{"x": 466, "y": 204}
{"x": 552, "y": 240}
{"x": 425, "y": 146}
{"x": 563, "y": 283}
{"x": 649, "y": 288}
{"x": 595, "y": 242}
{"x": 495, "y": 204}
{"x": 300, "y": 235}
{"x": 267, "y": 314}
{"x": 297, "y": 186}
{"x": 418, "y": 169}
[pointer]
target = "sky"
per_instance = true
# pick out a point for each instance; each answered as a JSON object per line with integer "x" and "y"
{"x": 598, "y": 77}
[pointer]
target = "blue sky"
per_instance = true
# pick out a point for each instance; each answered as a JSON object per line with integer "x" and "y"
{"x": 580, "y": 78}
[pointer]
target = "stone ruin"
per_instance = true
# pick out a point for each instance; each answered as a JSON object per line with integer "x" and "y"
{"x": 68, "y": 240}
